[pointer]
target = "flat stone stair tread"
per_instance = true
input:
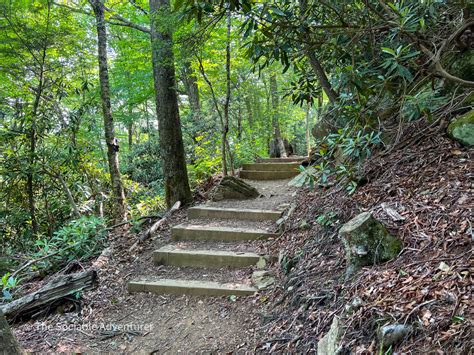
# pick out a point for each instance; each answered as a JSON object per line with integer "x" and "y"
{"x": 271, "y": 166}
{"x": 267, "y": 175}
{"x": 199, "y": 232}
{"x": 211, "y": 258}
{"x": 281, "y": 160}
{"x": 233, "y": 213}
{"x": 190, "y": 287}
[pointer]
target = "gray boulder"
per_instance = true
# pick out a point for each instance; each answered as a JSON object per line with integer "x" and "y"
{"x": 233, "y": 188}
{"x": 367, "y": 242}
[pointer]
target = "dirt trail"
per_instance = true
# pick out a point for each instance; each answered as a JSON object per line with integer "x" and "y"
{"x": 111, "y": 319}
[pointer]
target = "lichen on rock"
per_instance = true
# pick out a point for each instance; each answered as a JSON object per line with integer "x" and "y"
{"x": 367, "y": 242}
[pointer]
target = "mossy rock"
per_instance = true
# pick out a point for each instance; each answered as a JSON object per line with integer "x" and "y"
{"x": 462, "y": 129}
{"x": 367, "y": 242}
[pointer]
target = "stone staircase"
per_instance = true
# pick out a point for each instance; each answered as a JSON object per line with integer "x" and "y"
{"x": 272, "y": 168}
{"x": 198, "y": 243}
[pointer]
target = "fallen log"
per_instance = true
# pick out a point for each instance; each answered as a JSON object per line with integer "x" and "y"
{"x": 152, "y": 230}
{"x": 53, "y": 291}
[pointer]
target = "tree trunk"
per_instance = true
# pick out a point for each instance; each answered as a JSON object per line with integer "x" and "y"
{"x": 308, "y": 130}
{"x": 169, "y": 125}
{"x": 321, "y": 74}
{"x": 30, "y": 182}
{"x": 314, "y": 62}
{"x": 239, "y": 119}
{"x": 192, "y": 90}
{"x": 112, "y": 147}
{"x": 277, "y": 146}
{"x": 225, "y": 128}
{"x": 68, "y": 192}
{"x": 130, "y": 135}
{"x": 248, "y": 106}
{"x": 8, "y": 343}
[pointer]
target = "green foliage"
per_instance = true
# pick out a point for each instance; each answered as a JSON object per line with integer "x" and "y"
{"x": 423, "y": 103}
{"x": 79, "y": 239}
{"x": 341, "y": 155}
{"x": 394, "y": 65}
{"x": 143, "y": 164}
{"x": 327, "y": 219}
{"x": 8, "y": 283}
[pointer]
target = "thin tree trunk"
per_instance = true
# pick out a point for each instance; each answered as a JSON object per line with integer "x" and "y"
{"x": 321, "y": 74}
{"x": 147, "y": 117}
{"x": 278, "y": 150}
{"x": 75, "y": 210}
{"x": 30, "y": 182}
{"x": 169, "y": 125}
{"x": 112, "y": 147}
{"x": 8, "y": 343}
{"x": 130, "y": 135}
{"x": 33, "y": 138}
{"x": 192, "y": 90}
{"x": 248, "y": 106}
{"x": 225, "y": 128}
{"x": 239, "y": 119}
{"x": 308, "y": 129}
{"x": 315, "y": 63}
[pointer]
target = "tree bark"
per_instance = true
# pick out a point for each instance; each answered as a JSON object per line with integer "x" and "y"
{"x": 112, "y": 148}
{"x": 8, "y": 343}
{"x": 68, "y": 192}
{"x": 169, "y": 125}
{"x": 239, "y": 119}
{"x": 248, "y": 106}
{"x": 30, "y": 182}
{"x": 225, "y": 127}
{"x": 321, "y": 75}
{"x": 192, "y": 90}
{"x": 315, "y": 63}
{"x": 308, "y": 130}
{"x": 130, "y": 135}
{"x": 277, "y": 146}
{"x": 33, "y": 137}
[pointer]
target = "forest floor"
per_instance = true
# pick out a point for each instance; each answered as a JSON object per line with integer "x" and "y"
{"x": 428, "y": 286}
{"x": 428, "y": 181}
{"x": 112, "y": 319}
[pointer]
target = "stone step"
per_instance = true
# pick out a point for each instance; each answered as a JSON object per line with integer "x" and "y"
{"x": 233, "y": 213}
{"x": 271, "y": 166}
{"x": 281, "y": 160}
{"x": 190, "y": 287}
{"x": 171, "y": 255}
{"x": 267, "y": 175}
{"x": 196, "y": 232}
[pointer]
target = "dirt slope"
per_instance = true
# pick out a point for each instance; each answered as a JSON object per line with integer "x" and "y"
{"x": 429, "y": 286}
